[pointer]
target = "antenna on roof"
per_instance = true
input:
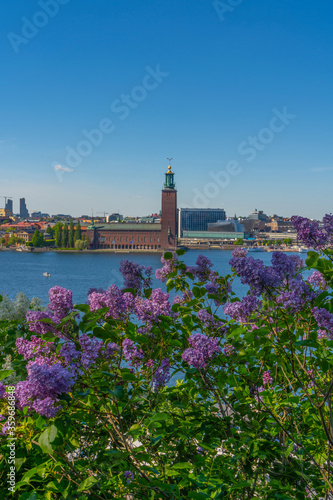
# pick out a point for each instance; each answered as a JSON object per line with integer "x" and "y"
{"x": 170, "y": 160}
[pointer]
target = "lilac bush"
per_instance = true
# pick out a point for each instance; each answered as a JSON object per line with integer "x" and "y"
{"x": 184, "y": 393}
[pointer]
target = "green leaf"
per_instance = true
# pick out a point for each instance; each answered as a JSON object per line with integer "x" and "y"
{"x": 87, "y": 484}
{"x": 5, "y": 373}
{"x": 46, "y": 438}
{"x": 117, "y": 392}
{"x": 158, "y": 417}
{"x": 183, "y": 465}
{"x": 312, "y": 259}
{"x": 168, "y": 256}
{"x": 181, "y": 251}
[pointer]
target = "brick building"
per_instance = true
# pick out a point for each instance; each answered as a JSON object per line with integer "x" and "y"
{"x": 141, "y": 235}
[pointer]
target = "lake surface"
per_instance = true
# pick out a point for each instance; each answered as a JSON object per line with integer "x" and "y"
{"x": 78, "y": 272}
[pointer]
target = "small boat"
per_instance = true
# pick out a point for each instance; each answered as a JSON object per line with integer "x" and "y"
{"x": 47, "y": 275}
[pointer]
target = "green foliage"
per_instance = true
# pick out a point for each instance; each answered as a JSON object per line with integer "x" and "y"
{"x": 240, "y": 241}
{"x": 58, "y": 234}
{"x": 71, "y": 235}
{"x": 78, "y": 232}
{"x": 64, "y": 240}
{"x": 81, "y": 244}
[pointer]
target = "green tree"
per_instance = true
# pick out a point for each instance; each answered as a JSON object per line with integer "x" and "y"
{"x": 50, "y": 231}
{"x": 71, "y": 235}
{"x": 35, "y": 238}
{"x": 78, "y": 232}
{"x": 81, "y": 244}
{"x": 41, "y": 239}
{"x": 65, "y": 236}
{"x": 240, "y": 241}
{"x": 58, "y": 234}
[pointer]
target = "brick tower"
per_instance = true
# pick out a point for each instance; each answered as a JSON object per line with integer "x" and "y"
{"x": 169, "y": 212}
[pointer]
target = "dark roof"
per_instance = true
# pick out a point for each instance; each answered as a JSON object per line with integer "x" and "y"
{"x": 128, "y": 227}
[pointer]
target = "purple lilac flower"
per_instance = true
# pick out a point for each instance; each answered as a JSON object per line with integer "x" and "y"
{"x": 133, "y": 274}
{"x": 91, "y": 347}
{"x": 162, "y": 374}
{"x": 97, "y": 290}
{"x": 286, "y": 265}
{"x": 208, "y": 319}
{"x": 44, "y": 382}
{"x": 186, "y": 297}
{"x": 2, "y": 391}
{"x": 5, "y": 428}
{"x": 129, "y": 476}
{"x": 117, "y": 302}
{"x": 46, "y": 407}
{"x": 111, "y": 349}
{"x": 310, "y": 233}
{"x": 33, "y": 347}
{"x": 253, "y": 273}
{"x": 61, "y": 302}
{"x": 325, "y": 321}
{"x": 36, "y": 325}
{"x": 267, "y": 378}
{"x": 202, "y": 269}
{"x": 202, "y": 351}
{"x": 228, "y": 350}
{"x": 2, "y": 417}
{"x": 200, "y": 450}
{"x": 239, "y": 252}
{"x": 131, "y": 353}
{"x": 298, "y": 295}
{"x": 317, "y": 280}
{"x": 148, "y": 310}
{"x": 243, "y": 310}
{"x": 168, "y": 267}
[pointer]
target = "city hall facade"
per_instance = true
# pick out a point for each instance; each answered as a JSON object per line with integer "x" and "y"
{"x": 141, "y": 236}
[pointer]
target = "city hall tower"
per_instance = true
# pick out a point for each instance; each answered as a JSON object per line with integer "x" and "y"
{"x": 169, "y": 212}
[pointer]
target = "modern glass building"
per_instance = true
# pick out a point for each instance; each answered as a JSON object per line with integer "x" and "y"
{"x": 197, "y": 219}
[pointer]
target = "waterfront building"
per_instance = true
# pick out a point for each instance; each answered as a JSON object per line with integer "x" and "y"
{"x": 258, "y": 215}
{"x": 23, "y": 209}
{"x": 197, "y": 219}
{"x": 141, "y": 235}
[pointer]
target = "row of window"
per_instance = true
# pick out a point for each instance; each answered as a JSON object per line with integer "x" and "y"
{"x": 110, "y": 239}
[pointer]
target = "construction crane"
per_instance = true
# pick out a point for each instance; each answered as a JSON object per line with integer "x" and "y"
{"x": 105, "y": 213}
{"x": 6, "y": 198}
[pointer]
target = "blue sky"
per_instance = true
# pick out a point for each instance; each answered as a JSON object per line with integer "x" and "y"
{"x": 199, "y": 82}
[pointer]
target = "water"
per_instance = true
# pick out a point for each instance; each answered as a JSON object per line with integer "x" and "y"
{"x": 78, "y": 272}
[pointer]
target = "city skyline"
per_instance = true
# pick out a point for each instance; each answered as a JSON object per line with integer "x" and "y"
{"x": 94, "y": 101}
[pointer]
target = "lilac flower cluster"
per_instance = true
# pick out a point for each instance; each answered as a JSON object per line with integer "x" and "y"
{"x": 129, "y": 476}
{"x": 202, "y": 351}
{"x": 117, "y": 302}
{"x": 2, "y": 391}
{"x": 298, "y": 295}
{"x": 311, "y": 234}
{"x": 325, "y": 322}
{"x": 91, "y": 349}
{"x": 131, "y": 353}
{"x": 317, "y": 280}
{"x": 267, "y": 378}
{"x": 148, "y": 310}
{"x": 168, "y": 267}
{"x": 263, "y": 278}
{"x": 40, "y": 391}
{"x": 61, "y": 302}
{"x": 243, "y": 310}
{"x": 133, "y": 275}
{"x": 202, "y": 269}
{"x": 228, "y": 350}
{"x": 33, "y": 347}
{"x": 208, "y": 319}
{"x": 162, "y": 374}
{"x": 186, "y": 297}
